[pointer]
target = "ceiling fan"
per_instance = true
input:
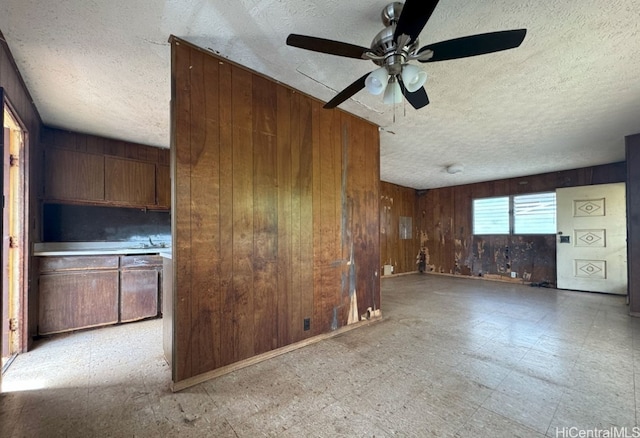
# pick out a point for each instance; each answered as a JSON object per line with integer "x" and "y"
{"x": 396, "y": 45}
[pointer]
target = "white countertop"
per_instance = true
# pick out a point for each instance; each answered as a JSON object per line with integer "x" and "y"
{"x": 99, "y": 248}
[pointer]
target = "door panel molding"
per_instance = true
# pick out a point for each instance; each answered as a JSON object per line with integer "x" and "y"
{"x": 591, "y": 238}
{"x": 589, "y": 207}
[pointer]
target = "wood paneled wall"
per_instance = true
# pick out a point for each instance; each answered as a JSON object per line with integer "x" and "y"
{"x": 17, "y": 96}
{"x": 445, "y": 224}
{"x": 395, "y": 202}
{"x": 275, "y": 215}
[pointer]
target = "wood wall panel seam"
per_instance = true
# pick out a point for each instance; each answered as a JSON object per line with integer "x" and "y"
{"x": 225, "y": 226}
{"x": 204, "y": 203}
{"x": 182, "y": 244}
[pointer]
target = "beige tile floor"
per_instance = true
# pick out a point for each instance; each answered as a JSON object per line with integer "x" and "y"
{"x": 453, "y": 358}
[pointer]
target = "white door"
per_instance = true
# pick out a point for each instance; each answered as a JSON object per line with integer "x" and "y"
{"x": 591, "y": 246}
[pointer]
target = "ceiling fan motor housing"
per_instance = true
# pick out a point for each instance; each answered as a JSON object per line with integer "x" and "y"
{"x": 384, "y": 45}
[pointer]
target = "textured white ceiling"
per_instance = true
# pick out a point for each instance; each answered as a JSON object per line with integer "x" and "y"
{"x": 564, "y": 99}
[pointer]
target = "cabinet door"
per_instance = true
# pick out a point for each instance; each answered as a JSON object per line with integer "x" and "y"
{"x": 75, "y": 300}
{"x": 130, "y": 182}
{"x": 163, "y": 186}
{"x": 72, "y": 175}
{"x": 138, "y": 294}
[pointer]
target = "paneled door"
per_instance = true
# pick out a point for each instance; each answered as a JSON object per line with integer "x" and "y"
{"x": 591, "y": 246}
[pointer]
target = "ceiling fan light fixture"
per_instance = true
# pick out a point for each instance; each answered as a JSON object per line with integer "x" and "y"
{"x": 413, "y": 78}
{"x": 377, "y": 80}
{"x": 396, "y": 45}
{"x": 393, "y": 93}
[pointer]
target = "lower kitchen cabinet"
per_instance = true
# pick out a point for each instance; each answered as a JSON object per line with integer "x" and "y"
{"x": 79, "y": 292}
{"x": 77, "y": 300}
{"x": 139, "y": 287}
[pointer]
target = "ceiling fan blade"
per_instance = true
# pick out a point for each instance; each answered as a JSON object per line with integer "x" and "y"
{"x": 418, "y": 99}
{"x": 327, "y": 46}
{"x": 474, "y": 45}
{"x": 346, "y": 93}
{"x": 415, "y": 14}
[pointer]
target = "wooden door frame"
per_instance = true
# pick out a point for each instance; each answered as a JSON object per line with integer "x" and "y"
{"x": 1, "y": 221}
{"x": 24, "y": 254}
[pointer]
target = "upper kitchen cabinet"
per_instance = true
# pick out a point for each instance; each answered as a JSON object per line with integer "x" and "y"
{"x": 129, "y": 182}
{"x": 85, "y": 169}
{"x": 163, "y": 185}
{"x": 71, "y": 175}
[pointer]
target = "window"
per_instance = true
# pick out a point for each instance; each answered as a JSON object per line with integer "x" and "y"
{"x": 521, "y": 214}
{"x": 491, "y": 215}
{"x": 534, "y": 214}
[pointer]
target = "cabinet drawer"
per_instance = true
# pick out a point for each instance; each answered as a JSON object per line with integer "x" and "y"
{"x": 80, "y": 263}
{"x": 140, "y": 261}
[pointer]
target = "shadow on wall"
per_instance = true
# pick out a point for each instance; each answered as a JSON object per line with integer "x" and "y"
{"x": 80, "y": 223}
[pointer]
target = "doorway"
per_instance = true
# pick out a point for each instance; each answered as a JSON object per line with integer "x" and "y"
{"x": 591, "y": 249}
{"x": 13, "y": 236}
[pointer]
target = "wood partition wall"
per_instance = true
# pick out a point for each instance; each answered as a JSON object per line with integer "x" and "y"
{"x": 275, "y": 214}
{"x": 445, "y": 226}
{"x": 632, "y": 152}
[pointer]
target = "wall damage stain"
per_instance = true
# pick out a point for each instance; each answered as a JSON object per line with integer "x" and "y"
{"x": 446, "y": 216}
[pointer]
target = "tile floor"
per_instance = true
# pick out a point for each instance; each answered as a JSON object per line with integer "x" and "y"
{"x": 453, "y": 358}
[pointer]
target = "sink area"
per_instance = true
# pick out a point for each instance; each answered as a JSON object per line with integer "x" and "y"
{"x": 99, "y": 248}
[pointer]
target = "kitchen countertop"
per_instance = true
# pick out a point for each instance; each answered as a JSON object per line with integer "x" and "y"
{"x": 99, "y": 248}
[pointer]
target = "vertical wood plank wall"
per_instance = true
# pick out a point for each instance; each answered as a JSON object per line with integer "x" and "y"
{"x": 17, "y": 95}
{"x": 275, "y": 213}
{"x": 445, "y": 224}
{"x": 632, "y": 150}
{"x": 395, "y": 202}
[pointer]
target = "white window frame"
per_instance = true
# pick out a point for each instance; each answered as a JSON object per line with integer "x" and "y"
{"x": 546, "y": 207}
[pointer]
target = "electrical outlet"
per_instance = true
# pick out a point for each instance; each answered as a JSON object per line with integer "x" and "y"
{"x": 307, "y": 324}
{"x": 514, "y": 274}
